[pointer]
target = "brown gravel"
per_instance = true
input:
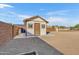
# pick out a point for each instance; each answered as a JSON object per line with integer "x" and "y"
{"x": 66, "y": 42}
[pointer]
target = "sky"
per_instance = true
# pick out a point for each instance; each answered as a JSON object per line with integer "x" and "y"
{"x": 62, "y": 14}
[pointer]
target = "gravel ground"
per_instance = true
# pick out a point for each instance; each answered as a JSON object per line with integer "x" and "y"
{"x": 66, "y": 42}
{"x": 23, "y": 46}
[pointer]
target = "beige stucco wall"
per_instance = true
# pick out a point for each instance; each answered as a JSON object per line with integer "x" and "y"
{"x": 37, "y": 20}
{"x": 30, "y": 30}
{"x": 43, "y": 31}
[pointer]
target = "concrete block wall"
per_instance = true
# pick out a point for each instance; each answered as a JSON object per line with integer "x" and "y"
{"x": 5, "y": 32}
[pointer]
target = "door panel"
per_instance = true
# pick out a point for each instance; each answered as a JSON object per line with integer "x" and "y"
{"x": 37, "y": 28}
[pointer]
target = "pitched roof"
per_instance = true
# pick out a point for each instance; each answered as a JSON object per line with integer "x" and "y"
{"x": 34, "y": 17}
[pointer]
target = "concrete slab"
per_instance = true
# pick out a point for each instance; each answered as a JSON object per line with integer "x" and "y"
{"x": 25, "y": 45}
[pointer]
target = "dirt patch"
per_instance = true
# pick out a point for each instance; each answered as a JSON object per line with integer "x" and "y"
{"x": 66, "y": 42}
